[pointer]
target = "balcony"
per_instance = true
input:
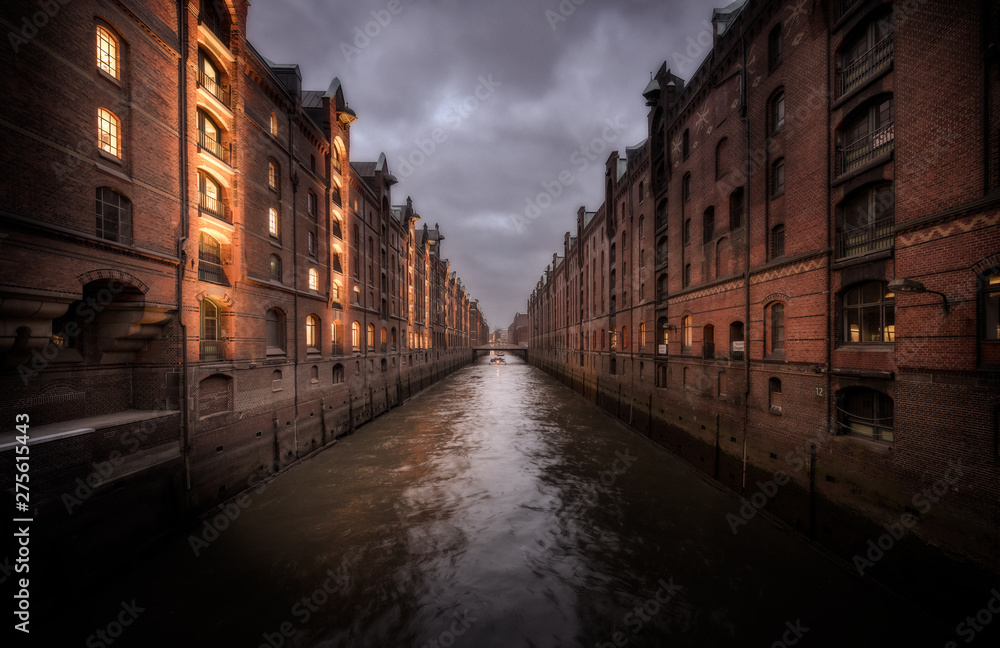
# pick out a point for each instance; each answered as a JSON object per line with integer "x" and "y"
{"x": 213, "y": 206}
{"x": 864, "y": 67}
{"x": 212, "y": 272}
{"x": 844, "y": 7}
{"x": 219, "y": 92}
{"x": 661, "y": 257}
{"x": 213, "y": 350}
{"x": 214, "y": 147}
{"x": 211, "y": 21}
{"x": 877, "y": 235}
{"x": 336, "y": 197}
{"x": 864, "y": 150}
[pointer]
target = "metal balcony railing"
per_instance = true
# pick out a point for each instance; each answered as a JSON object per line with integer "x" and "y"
{"x": 209, "y": 21}
{"x": 863, "y": 67}
{"x": 336, "y": 231}
{"x": 866, "y": 149}
{"x": 661, "y": 257}
{"x": 213, "y": 349}
{"x": 336, "y": 197}
{"x": 219, "y": 92}
{"x": 213, "y": 272}
{"x": 213, "y": 206}
{"x": 214, "y": 147}
{"x": 877, "y": 235}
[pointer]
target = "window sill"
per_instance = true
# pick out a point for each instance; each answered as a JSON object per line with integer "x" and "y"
{"x": 775, "y": 410}
{"x": 109, "y": 78}
{"x": 274, "y": 351}
{"x": 867, "y": 347}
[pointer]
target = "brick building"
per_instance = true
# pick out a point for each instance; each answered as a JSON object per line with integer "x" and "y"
{"x": 797, "y": 269}
{"x": 247, "y": 294}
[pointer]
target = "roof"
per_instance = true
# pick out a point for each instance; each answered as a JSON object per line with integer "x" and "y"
{"x": 312, "y": 98}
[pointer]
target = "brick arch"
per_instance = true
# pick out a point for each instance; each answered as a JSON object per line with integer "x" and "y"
{"x": 773, "y": 297}
{"x": 224, "y": 298}
{"x": 112, "y": 273}
{"x": 984, "y": 265}
{"x": 284, "y": 308}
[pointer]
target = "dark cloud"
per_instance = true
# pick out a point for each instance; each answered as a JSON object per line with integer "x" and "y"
{"x": 553, "y": 93}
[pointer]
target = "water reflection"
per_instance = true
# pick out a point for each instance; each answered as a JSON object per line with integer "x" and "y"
{"x": 495, "y": 509}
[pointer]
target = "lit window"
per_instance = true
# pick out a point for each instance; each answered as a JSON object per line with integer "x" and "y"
{"x": 869, "y": 315}
{"x": 114, "y": 216}
{"x": 356, "y": 336}
{"x": 312, "y": 332}
{"x": 274, "y": 124}
{"x": 107, "y": 52}
{"x": 211, "y": 342}
{"x": 686, "y": 333}
{"x": 210, "y": 260}
{"x": 991, "y": 307}
{"x": 313, "y": 279}
{"x": 272, "y": 221}
{"x": 272, "y": 174}
{"x": 108, "y": 132}
{"x": 371, "y": 336}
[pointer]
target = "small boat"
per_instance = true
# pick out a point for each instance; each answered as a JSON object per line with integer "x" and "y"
{"x": 497, "y": 360}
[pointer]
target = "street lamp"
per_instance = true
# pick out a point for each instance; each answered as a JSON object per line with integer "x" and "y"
{"x": 911, "y": 286}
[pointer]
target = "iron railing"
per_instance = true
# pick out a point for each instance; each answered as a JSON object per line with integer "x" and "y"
{"x": 877, "y": 235}
{"x": 213, "y": 206}
{"x": 213, "y": 349}
{"x": 661, "y": 257}
{"x": 865, "y": 66}
{"x": 214, "y": 147}
{"x": 866, "y": 149}
{"x": 213, "y": 272}
{"x": 219, "y": 92}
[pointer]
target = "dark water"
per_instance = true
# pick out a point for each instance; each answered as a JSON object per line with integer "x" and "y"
{"x": 495, "y": 509}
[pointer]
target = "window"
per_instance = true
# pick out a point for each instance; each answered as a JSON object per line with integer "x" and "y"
{"x": 866, "y": 135}
{"x": 722, "y": 261}
{"x": 210, "y": 136}
{"x": 211, "y": 344}
{"x": 867, "y": 51}
{"x": 777, "y": 241}
{"x": 210, "y": 260}
{"x": 686, "y": 334}
{"x": 335, "y": 160}
{"x": 778, "y": 177}
{"x": 642, "y": 224}
{"x": 272, "y": 174}
{"x": 274, "y": 124}
{"x": 624, "y": 338}
{"x": 311, "y": 243}
{"x": 869, "y": 315}
{"x": 736, "y": 209}
{"x": 371, "y": 336}
{"x": 708, "y": 341}
{"x": 312, "y": 205}
{"x": 357, "y": 295}
{"x": 778, "y": 111}
{"x": 661, "y": 376}
{"x": 722, "y": 158}
{"x": 107, "y": 52}
{"x": 774, "y": 395}
{"x": 275, "y": 267}
{"x": 687, "y": 231}
{"x": 114, "y": 216}
{"x": 642, "y": 336}
{"x": 708, "y": 225}
{"x": 338, "y": 374}
{"x": 864, "y": 412}
{"x": 687, "y": 275}
{"x": 685, "y": 144}
{"x": 991, "y": 307}
{"x": 356, "y": 336}
{"x": 663, "y": 332}
{"x": 866, "y": 218}
{"x": 109, "y": 133}
{"x": 272, "y": 222}
{"x": 778, "y": 328}
{"x": 686, "y": 188}
{"x": 641, "y": 192}
{"x": 312, "y": 333}
{"x": 274, "y": 331}
{"x": 210, "y": 195}
{"x": 736, "y": 343}
{"x": 313, "y": 279}
{"x": 774, "y": 48}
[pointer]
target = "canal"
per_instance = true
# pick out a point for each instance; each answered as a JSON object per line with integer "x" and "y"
{"x": 496, "y": 508}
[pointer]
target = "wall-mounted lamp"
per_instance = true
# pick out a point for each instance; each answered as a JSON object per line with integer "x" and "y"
{"x": 911, "y": 286}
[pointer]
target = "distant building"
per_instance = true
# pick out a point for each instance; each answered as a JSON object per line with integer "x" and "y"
{"x": 517, "y": 332}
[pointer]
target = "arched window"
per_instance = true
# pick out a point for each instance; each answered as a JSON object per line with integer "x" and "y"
{"x": 642, "y": 194}
{"x": 107, "y": 51}
{"x": 662, "y": 334}
{"x": 869, "y": 314}
{"x": 722, "y": 158}
{"x": 274, "y": 330}
{"x": 338, "y": 373}
{"x": 686, "y": 188}
{"x": 356, "y": 336}
{"x": 335, "y": 159}
{"x": 777, "y": 111}
{"x": 313, "y": 279}
{"x": 990, "y": 299}
{"x": 114, "y": 216}
{"x": 708, "y": 225}
{"x": 272, "y": 175}
{"x": 642, "y": 336}
{"x": 736, "y": 209}
{"x": 624, "y": 338}
{"x": 357, "y": 296}
{"x": 774, "y": 395}
{"x": 275, "y": 267}
{"x": 337, "y": 337}
{"x": 210, "y": 196}
{"x": 109, "y": 132}
{"x": 736, "y": 343}
{"x": 274, "y": 125}
{"x": 335, "y": 292}
{"x": 722, "y": 262}
{"x": 778, "y": 177}
{"x": 708, "y": 341}
{"x": 866, "y": 135}
{"x": 385, "y": 336}
{"x": 661, "y": 288}
{"x": 866, "y": 221}
{"x": 865, "y": 412}
{"x": 210, "y": 136}
{"x": 777, "y": 328}
{"x": 687, "y": 334}
{"x": 210, "y": 260}
{"x": 867, "y": 51}
{"x": 687, "y": 275}
{"x": 603, "y": 339}
{"x": 371, "y": 336}
{"x": 272, "y": 222}
{"x": 777, "y": 241}
{"x": 312, "y": 334}
{"x": 211, "y": 338}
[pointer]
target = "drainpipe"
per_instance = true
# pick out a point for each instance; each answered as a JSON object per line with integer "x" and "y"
{"x": 745, "y": 114}
{"x": 294, "y": 179}
{"x": 182, "y": 22}
{"x": 830, "y": 255}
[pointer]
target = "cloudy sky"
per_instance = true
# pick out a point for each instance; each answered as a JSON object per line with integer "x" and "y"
{"x": 480, "y": 105}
